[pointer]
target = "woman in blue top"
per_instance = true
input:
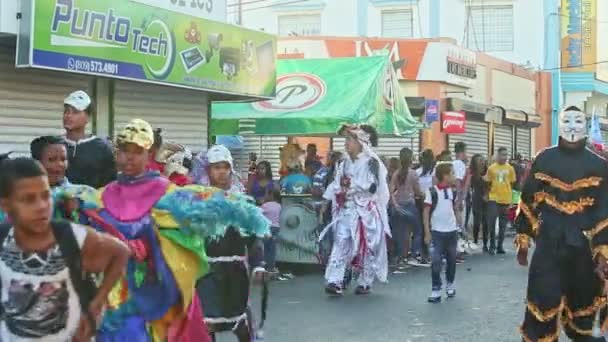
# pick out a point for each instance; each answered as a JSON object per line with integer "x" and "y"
{"x": 262, "y": 184}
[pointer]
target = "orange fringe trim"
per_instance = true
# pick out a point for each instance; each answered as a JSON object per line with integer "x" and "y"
{"x": 548, "y": 314}
{"x": 597, "y": 229}
{"x": 579, "y": 184}
{"x": 549, "y": 338}
{"x": 569, "y": 208}
{"x": 523, "y": 207}
{"x": 598, "y": 303}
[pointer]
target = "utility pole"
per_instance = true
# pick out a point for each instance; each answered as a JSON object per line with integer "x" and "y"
{"x": 240, "y": 15}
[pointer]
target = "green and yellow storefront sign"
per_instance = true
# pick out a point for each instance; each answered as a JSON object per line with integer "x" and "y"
{"x": 131, "y": 40}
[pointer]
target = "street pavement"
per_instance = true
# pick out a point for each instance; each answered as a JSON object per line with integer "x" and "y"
{"x": 489, "y": 306}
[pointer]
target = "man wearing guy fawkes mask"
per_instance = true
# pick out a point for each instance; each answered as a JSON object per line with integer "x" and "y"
{"x": 564, "y": 209}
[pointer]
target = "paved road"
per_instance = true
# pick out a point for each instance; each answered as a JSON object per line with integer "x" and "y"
{"x": 488, "y": 307}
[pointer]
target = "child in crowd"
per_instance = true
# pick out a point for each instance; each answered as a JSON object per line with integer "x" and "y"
{"x": 272, "y": 210}
{"x": 51, "y": 152}
{"x": 46, "y": 297}
{"x": 441, "y": 225}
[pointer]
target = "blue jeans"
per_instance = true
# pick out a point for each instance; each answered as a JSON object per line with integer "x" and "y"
{"x": 270, "y": 249}
{"x": 405, "y": 222}
{"x": 444, "y": 244}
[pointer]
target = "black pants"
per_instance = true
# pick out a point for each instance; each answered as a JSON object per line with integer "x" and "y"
{"x": 562, "y": 285}
{"x": 497, "y": 211}
{"x": 480, "y": 221}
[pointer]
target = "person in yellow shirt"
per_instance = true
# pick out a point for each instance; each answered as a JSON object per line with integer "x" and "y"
{"x": 500, "y": 177}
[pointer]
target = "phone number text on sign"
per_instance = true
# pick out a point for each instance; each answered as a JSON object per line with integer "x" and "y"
{"x": 201, "y": 4}
{"x": 92, "y": 66}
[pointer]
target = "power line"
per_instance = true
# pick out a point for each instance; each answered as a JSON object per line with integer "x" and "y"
{"x": 576, "y": 66}
{"x": 269, "y": 6}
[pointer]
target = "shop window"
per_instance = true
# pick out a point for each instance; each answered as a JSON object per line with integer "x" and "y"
{"x": 300, "y": 25}
{"x": 398, "y": 24}
{"x": 490, "y": 28}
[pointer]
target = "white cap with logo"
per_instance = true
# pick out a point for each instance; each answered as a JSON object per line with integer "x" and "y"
{"x": 79, "y": 99}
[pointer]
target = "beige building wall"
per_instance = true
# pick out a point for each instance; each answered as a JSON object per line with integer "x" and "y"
{"x": 513, "y": 92}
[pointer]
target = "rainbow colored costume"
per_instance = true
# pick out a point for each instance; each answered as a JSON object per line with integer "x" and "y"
{"x": 165, "y": 226}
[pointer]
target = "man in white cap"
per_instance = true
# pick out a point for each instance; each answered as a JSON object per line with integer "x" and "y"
{"x": 90, "y": 159}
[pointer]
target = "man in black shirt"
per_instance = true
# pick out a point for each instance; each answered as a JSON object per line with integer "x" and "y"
{"x": 90, "y": 159}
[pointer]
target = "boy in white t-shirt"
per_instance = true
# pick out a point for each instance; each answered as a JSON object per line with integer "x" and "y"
{"x": 441, "y": 225}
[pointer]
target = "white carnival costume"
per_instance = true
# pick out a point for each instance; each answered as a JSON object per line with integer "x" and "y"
{"x": 360, "y": 196}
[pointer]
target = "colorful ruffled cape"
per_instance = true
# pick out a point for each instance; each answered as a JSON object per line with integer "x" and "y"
{"x": 183, "y": 218}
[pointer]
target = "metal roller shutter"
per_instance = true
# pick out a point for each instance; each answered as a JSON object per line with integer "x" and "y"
{"x": 266, "y": 148}
{"x": 476, "y": 138}
{"x": 388, "y": 147}
{"x": 523, "y": 142}
{"x": 503, "y": 137}
{"x": 31, "y": 102}
{"x": 180, "y": 113}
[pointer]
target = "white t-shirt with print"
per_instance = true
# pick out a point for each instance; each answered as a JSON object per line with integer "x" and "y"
{"x": 442, "y": 218}
{"x": 37, "y": 294}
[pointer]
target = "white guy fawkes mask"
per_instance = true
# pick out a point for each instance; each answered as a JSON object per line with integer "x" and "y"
{"x": 572, "y": 126}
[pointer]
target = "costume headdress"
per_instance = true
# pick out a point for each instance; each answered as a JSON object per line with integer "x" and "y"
{"x": 138, "y": 132}
{"x": 172, "y": 155}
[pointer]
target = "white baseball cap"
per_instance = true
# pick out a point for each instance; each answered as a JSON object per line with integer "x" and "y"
{"x": 219, "y": 154}
{"x": 79, "y": 99}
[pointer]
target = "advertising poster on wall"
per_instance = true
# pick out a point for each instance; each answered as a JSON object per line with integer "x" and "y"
{"x": 579, "y": 35}
{"x": 431, "y": 111}
{"x": 453, "y": 122}
{"x": 133, "y": 40}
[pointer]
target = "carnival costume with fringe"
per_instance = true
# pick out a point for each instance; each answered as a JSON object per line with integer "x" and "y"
{"x": 166, "y": 227}
{"x": 563, "y": 209}
{"x": 224, "y": 290}
{"x": 360, "y": 196}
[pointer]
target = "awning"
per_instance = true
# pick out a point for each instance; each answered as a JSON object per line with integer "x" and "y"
{"x": 316, "y": 96}
{"x": 522, "y": 118}
{"x": 475, "y": 111}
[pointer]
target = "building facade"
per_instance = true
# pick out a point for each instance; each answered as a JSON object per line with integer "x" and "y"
{"x": 502, "y": 104}
{"x": 567, "y": 38}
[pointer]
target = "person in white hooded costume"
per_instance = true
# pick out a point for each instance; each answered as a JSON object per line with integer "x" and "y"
{"x": 359, "y": 195}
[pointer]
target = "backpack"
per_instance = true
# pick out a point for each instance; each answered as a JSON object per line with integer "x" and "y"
{"x": 83, "y": 282}
{"x": 435, "y": 198}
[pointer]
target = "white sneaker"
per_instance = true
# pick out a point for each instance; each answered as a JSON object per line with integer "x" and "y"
{"x": 435, "y": 297}
{"x": 450, "y": 291}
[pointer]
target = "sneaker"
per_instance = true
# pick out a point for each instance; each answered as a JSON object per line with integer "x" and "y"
{"x": 288, "y": 275}
{"x": 413, "y": 262}
{"x": 450, "y": 291}
{"x": 459, "y": 260}
{"x": 500, "y": 251}
{"x": 492, "y": 251}
{"x": 435, "y": 297}
{"x": 333, "y": 290}
{"x": 363, "y": 290}
{"x": 485, "y": 249}
{"x": 422, "y": 262}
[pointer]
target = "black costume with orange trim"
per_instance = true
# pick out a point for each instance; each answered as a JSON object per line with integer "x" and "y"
{"x": 564, "y": 210}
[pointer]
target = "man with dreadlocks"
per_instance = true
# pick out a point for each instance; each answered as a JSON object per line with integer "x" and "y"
{"x": 564, "y": 209}
{"x": 359, "y": 195}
